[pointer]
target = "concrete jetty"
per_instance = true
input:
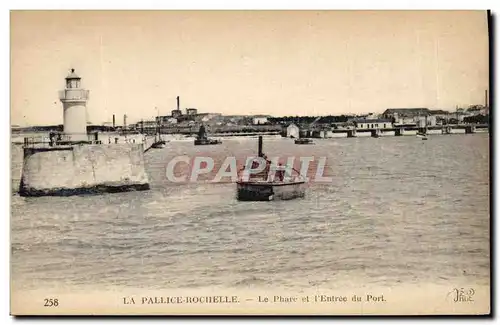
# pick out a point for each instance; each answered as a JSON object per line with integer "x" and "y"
{"x": 71, "y": 170}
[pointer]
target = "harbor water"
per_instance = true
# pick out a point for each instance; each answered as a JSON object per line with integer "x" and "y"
{"x": 397, "y": 211}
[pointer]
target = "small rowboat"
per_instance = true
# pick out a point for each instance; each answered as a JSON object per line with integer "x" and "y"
{"x": 202, "y": 139}
{"x": 422, "y": 135}
{"x": 304, "y": 141}
{"x": 201, "y": 142}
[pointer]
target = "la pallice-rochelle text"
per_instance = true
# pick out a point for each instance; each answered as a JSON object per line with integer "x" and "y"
{"x": 180, "y": 300}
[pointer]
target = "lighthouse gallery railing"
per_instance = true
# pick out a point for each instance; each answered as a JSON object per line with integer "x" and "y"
{"x": 74, "y": 94}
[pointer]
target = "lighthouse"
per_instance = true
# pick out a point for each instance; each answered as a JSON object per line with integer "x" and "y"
{"x": 74, "y": 100}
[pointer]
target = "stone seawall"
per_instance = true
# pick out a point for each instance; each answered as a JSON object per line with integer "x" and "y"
{"x": 83, "y": 169}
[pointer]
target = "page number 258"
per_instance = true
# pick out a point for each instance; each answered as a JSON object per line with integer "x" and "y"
{"x": 51, "y": 302}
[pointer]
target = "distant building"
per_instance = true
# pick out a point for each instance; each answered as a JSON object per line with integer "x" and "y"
{"x": 260, "y": 119}
{"x": 372, "y": 116}
{"x": 405, "y": 112}
{"x": 373, "y": 123}
{"x": 166, "y": 119}
{"x": 292, "y": 131}
{"x": 191, "y": 111}
{"x": 145, "y": 125}
{"x": 422, "y": 121}
{"x": 477, "y": 110}
{"x": 176, "y": 113}
{"x": 407, "y": 116}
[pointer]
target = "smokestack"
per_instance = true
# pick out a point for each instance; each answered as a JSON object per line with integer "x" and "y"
{"x": 178, "y": 104}
{"x": 486, "y": 98}
{"x": 124, "y": 121}
{"x": 113, "y": 120}
{"x": 260, "y": 146}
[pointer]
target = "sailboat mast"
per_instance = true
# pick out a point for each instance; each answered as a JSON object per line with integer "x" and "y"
{"x": 158, "y": 122}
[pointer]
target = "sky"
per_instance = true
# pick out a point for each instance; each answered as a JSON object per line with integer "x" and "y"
{"x": 246, "y": 62}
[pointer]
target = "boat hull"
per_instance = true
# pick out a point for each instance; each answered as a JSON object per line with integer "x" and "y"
{"x": 158, "y": 144}
{"x": 202, "y": 142}
{"x": 300, "y": 141}
{"x": 266, "y": 191}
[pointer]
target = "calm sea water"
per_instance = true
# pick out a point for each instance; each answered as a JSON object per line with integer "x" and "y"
{"x": 398, "y": 211}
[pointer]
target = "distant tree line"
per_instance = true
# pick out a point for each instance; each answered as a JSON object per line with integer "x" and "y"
{"x": 479, "y": 119}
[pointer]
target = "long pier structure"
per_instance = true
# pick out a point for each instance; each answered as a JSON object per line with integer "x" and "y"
{"x": 325, "y": 132}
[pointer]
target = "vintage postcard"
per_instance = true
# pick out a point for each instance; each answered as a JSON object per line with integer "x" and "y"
{"x": 250, "y": 163}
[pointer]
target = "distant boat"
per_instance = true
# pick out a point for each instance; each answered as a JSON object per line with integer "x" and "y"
{"x": 304, "y": 141}
{"x": 202, "y": 138}
{"x": 422, "y": 135}
{"x": 159, "y": 144}
{"x": 259, "y": 187}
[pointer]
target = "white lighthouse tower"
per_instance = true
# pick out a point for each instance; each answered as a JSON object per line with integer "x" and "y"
{"x": 74, "y": 101}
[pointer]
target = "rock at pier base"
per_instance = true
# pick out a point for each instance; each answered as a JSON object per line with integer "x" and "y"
{"x": 99, "y": 189}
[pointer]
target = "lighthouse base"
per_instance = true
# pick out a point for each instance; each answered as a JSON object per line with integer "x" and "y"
{"x": 76, "y": 138}
{"x": 98, "y": 189}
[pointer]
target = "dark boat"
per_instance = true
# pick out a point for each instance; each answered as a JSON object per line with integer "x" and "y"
{"x": 159, "y": 144}
{"x": 260, "y": 187}
{"x": 423, "y": 132}
{"x": 202, "y": 138}
{"x": 422, "y": 135}
{"x": 304, "y": 141}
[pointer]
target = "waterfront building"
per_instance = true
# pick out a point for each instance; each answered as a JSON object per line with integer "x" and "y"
{"x": 292, "y": 131}
{"x": 423, "y": 121}
{"x": 373, "y": 123}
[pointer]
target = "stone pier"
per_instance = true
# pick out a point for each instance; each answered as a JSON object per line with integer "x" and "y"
{"x": 72, "y": 170}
